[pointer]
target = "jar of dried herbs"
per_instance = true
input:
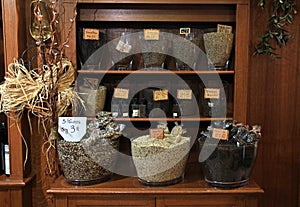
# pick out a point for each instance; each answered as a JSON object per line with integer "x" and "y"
{"x": 92, "y": 159}
{"x": 158, "y": 161}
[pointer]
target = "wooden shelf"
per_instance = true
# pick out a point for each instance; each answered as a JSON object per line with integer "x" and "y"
{"x": 6, "y": 182}
{"x": 143, "y": 11}
{"x": 193, "y": 183}
{"x": 192, "y": 119}
{"x": 158, "y": 72}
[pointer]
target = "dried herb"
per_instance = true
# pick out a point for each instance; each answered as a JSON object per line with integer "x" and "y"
{"x": 282, "y": 15}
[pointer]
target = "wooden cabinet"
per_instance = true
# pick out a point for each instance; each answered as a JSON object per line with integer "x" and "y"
{"x": 193, "y": 191}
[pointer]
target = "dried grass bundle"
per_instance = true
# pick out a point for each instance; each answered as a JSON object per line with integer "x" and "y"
{"x": 24, "y": 89}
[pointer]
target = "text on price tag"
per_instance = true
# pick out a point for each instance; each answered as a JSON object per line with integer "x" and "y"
{"x": 220, "y": 134}
{"x": 121, "y": 93}
{"x": 72, "y": 129}
{"x": 184, "y": 94}
{"x": 160, "y": 95}
{"x": 212, "y": 93}
{"x": 151, "y": 34}
{"x": 91, "y": 34}
{"x": 157, "y": 133}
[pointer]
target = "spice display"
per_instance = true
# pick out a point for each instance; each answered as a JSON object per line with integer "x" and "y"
{"x": 185, "y": 50}
{"x": 161, "y": 161}
{"x": 91, "y": 160}
{"x": 94, "y": 99}
{"x": 153, "y": 51}
{"x": 121, "y": 45}
{"x": 231, "y": 162}
{"x": 218, "y": 47}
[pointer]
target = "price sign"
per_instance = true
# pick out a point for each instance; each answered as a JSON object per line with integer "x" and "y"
{"x": 123, "y": 47}
{"x": 157, "y": 133}
{"x": 151, "y": 34}
{"x": 184, "y": 30}
{"x": 184, "y": 94}
{"x": 220, "y": 134}
{"x": 212, "y": 93}
{"x": 224, "y": 28}
{"x": 160, "y": 95}
{"x": 121, "y": 93}
{"x": 91, "y": 34}
{"x": 72, "y": 129}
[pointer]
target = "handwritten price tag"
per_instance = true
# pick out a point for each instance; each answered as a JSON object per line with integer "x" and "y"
{"x": 224, "y": 28}
{"x": 157, "y": 133}
{"x": 121, "y": 93}
{"x": 72, "y": 129}
{"x": 123, "y": 47}
{"x": 160, "y": 95}
{"x": 151, "y": 34}
{"x": 184, "y": 94}
{"x": 212, "y": 93}
{"x": 220, "y": 134}
{"x": 91, "y": 34}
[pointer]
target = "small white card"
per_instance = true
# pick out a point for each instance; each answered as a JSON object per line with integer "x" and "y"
{"x": 72, "y": 129}
{"x": 123, "y": 47}
{"x": 212, "y": 93}
{"x": 151, "y": 34}
{"x": 121, "y": 93}
{"x": 184, "y": 94}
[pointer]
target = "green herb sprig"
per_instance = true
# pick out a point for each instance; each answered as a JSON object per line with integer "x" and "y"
{"x": 282, "y": 15}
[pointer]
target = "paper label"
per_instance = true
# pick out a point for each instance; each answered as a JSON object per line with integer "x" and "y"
{"x": 72, "y": 129}
{"x": 160, "y": 95}
{"x": 224, "y": 28}
{"x": 121, "y": 93}
{"x": 184, "y": 94}
{"x": 123, "y": 47}
{"x": 212, "y": 93}
{"x": 151, "y": 34}
{"x": 91, "y": 34}
{"x": 184, "y": 30}
{"x": 157, "y": 133}
{"x": 220, "y": 134}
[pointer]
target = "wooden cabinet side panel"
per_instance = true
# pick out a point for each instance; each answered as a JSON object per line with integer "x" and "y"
{"x": 4, "y": 198}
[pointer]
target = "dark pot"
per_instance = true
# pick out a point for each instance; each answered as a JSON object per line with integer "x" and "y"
{"x": 229, "y": 165}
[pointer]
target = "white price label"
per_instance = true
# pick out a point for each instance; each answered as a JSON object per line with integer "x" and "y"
{"x": 151, "y": 34}
{"x": 72, "y": 129}
{"x": 184, "y": 94}
{"x": 220, "y": 134}
{"x": 212, "y": 93}
{"x": 121, "y": 93}
{"x": 123, "y": 47}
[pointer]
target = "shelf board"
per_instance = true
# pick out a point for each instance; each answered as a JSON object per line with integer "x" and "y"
{"x": 193, "y": 183}
{"x": 158, "y": 72}
{"x": 6, "y": 182}
{"x": 166, "y": 12}
{"x": 192, "y": 119}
